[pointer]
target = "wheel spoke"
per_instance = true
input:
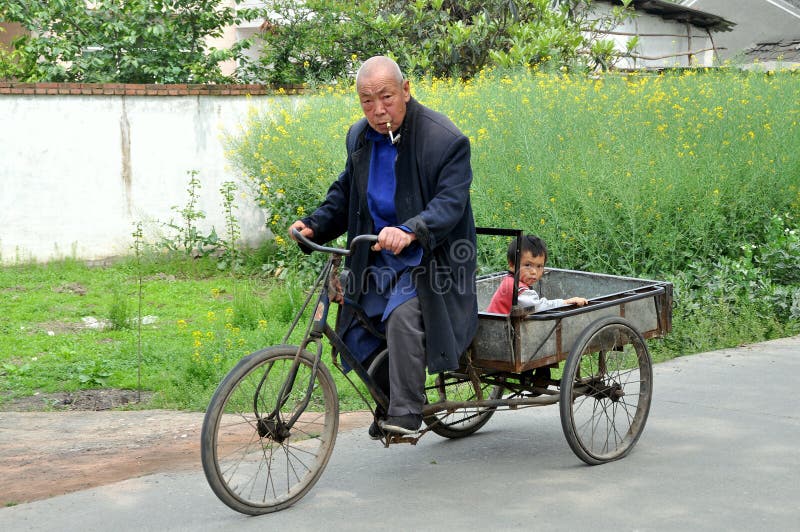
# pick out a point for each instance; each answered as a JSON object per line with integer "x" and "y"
{"x": 605, "y": 391}
{"x": 254, "y": 462}
{"x": 461, "y": 421}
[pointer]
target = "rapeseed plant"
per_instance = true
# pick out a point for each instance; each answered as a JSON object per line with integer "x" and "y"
{"x": 623, "y": 173}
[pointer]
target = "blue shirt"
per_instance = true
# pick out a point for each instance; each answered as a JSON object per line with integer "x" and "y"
{"x": 389, "y": 275}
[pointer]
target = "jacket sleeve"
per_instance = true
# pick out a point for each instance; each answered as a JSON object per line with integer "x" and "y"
{"x": 450, "y": 194}
{"x": 330, "y": 219}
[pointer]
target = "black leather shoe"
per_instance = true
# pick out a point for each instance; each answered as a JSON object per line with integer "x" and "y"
{"x": 407, "y": 424}
{"x": 375, "y": 431}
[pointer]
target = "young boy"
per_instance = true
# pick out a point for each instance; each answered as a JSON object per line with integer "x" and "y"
{"x": 533, "y": 255}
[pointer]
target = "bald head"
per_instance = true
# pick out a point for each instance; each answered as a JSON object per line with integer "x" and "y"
{"x": 379, "y": 65}
{"x": 383, "y": 93}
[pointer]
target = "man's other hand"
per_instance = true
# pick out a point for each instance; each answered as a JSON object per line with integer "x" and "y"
{"x": 393, "y": 239}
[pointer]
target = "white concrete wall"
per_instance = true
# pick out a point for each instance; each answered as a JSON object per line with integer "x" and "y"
{"x": 652, "y": 42}
{"x": 76, "y": 172}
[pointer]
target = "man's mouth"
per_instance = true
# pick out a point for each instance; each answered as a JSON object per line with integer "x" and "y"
{"x": 394, "y": 139}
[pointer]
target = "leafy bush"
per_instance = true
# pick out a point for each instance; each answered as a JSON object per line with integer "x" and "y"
{"x": 325, "y": 40}
{"x": 136, "y": 41}
{"x": 691, "y": 177}
{"x": 289, "y": 155}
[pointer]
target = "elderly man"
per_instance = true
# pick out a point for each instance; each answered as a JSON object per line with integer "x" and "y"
{"x": 407, "y": 179}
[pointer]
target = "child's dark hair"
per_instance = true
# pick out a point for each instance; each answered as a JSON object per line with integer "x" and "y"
{"x": 531, "y": 243}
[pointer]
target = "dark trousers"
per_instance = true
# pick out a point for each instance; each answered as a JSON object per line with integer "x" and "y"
{"x": 405, "y": 339}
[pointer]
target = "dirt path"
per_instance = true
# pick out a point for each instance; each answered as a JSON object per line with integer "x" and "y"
{"x": 43, "y": 454}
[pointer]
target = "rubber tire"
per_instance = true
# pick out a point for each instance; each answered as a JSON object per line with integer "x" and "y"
{"x": 451, "y": 425}
{"x": 251, "y": 463}
{"x": 629, "y": 409}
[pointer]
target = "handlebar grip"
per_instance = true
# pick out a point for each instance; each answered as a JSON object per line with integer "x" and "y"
{"x": 338, "y": 251}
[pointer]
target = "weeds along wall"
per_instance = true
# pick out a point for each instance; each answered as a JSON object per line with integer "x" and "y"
{"x": 80, "y": 164}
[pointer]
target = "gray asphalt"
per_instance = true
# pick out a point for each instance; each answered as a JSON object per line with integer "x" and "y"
{"x": 719, "y": 452}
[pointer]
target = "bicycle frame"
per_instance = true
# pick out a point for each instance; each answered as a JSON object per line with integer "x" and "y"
{"x": 318, "y": 328}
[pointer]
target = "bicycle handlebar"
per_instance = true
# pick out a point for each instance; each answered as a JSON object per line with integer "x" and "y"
{"x": 339, "y": 251}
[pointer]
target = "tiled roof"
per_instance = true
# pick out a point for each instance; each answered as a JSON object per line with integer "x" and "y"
{"x": 783, "y": 49}
{"x": 680, "y": 13}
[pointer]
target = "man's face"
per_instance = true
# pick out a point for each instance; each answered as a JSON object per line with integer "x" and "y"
{"x": 383, "y": 100}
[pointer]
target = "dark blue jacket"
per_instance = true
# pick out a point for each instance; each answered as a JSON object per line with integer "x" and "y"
{"x": 433, "y": 174}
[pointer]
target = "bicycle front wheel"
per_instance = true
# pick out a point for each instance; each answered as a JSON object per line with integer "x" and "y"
{"x": 252, "y": 460}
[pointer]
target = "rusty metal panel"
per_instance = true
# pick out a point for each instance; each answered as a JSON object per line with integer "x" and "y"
{"x": 525, "y": 341}
{"x": 494, "y": 340}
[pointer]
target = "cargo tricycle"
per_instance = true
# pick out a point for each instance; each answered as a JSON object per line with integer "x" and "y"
{"x": 271, "y": 425}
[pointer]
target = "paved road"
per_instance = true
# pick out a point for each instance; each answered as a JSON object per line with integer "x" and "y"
{"x": 720, "y": 452}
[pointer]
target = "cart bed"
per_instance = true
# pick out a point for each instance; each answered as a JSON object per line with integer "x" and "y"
{"x": 522, "y": 341}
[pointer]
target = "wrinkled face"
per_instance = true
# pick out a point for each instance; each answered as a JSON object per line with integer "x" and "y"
{"x": 530, "y": 268}
{"x": 383, "y": 100}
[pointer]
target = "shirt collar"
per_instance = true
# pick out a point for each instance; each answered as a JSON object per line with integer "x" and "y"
{"x": 375, "y": 136}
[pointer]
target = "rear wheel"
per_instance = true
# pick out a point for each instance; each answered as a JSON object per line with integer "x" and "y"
{"x": 252, "y": 460}
{"x": 453, "y": 423}
{"x": 606, "y": 390}
{"x": 462, "y": 421}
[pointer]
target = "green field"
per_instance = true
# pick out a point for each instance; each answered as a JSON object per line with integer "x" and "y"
{"x": 690, "y": 177}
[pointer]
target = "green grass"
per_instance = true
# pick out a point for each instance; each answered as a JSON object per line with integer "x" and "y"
{"x": 689, "y": 177}
{"x": 205, "y": 320}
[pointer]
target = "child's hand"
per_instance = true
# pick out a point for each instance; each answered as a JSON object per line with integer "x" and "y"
{"x": 576, "y": 301}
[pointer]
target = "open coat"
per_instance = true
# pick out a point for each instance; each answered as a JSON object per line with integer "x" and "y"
{"x": 433, "y": 177}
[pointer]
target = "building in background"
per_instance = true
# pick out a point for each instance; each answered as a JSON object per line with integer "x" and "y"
{"x": 669, "y": 35}
{"x": 767, "y": 32}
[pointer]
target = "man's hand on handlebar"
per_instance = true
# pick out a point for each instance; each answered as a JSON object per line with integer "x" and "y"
{"x": 302, "y": 228}
{"x": 393, "y": 239}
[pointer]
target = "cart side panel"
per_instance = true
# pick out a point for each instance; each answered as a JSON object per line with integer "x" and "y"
{"x": 545, "y": 338}
{"x": 559, "y": 342}
{"x": 567, "y": 283}
{"x": 493, "y": 346}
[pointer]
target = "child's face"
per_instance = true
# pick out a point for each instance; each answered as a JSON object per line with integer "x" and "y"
{"x": 531, "y": 268}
